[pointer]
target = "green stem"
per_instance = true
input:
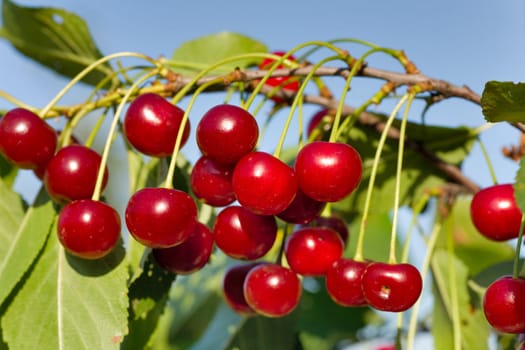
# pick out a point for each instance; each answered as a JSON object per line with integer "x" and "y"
{"x": 454, "y": 303}
{"x": 16, "y": 101}
{"x": 399, "y": 169}
{"x": 288, "y": 228}
{"x": 418, "y": 208}
{"x": 366, "y": 209}
{"x": 488, "y": 161}
{"x": 516, "y": 267}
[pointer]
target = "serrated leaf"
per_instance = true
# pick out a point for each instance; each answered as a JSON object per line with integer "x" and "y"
{"x": 503, "y": 101}
{"x": 69, "y": 303}
{"x": 204, "y": 51}
{"x": 418, "y": 174}
{"x": 56, "y": 38}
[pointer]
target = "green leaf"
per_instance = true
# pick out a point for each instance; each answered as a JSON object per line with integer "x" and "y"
{"x": 69, "y": 303}
{"x": 519, "y": 185}
{"x": 503, "y": 101}
{"x": 419, "y": 174}
{"x": 8, "y": 172}
{"x": 22, "y": 236}
{"x": 194, "y": 55}
{"x": 474, "y": 328}
{"x": 58, "y": 39}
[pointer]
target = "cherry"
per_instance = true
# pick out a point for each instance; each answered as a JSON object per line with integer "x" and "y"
{"x": 41, "y": 169}
{"x": 302, "y": 210}
{"x": 189, "y": 256}
{"x": 161, "y": 217}
{"x": 391, "y": 287}
{"x": 311, "y": 251}
{"x": 316, "y": 121}
{"x": 26, "y": 140}
{"x": 272, "y": 290}
{"x": 226, "y": 133}
{"x": 151, "y": 125}
{"x": 495, "y": 213}
{"x": 263, "y": 183}
{"x": 335, "y": 223}
{"x": 504, "y": 304}
{"x": 72, "y": 173}
{"x": 328, "y": 171}
{"x": 88, "y": 229}
{"x": 232, "y": 287}
{"x": 242, "y": 234}
{"x": 286, "y": 83}
{"x": 212, "y": 182}
{"x": 343, "y": 282}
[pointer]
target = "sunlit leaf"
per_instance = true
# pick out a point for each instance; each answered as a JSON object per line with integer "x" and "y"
{"x": 503, "y": 101}
{"x": 519, "y": 185}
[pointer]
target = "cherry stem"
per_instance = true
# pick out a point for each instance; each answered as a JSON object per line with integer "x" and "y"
{"x": 416, "y": 211}
{"x": 516, "y": 267}
{"x": 366, "y": 209}
{"x": 399, "y": 169}
{"x": 488, "y": 161}
{"x": 16, "y": 101}
{"x": 288, "y": 228}
{"x": 87, "y": 70}
{"x": 112, "y": 129}
{"x": 452, "y": 281}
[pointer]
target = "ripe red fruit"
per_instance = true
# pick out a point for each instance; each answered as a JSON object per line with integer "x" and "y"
{"x": 311, "y": 251}
{"x": 343, "y": 282}
{"x": 226, "y": 133}
{"x": 212, "y": 182}
{"x": 286, "y": 83}
{"x": 504, "y": 304}
{"x": 272, "y": 290}
{"x": 263, "y": 183}
{"x": 316, "y": 121}
{"x": 151, "y": 125}
{"x": 495, "y": 213}
{"x": 242, "y": 234}
{"x": 302, "y": 210}
{"x": 328, "y": 171}
{"x": 232, "y": 287}
{"x": 391, "y": 287}
{"x": 335, "y": 223}
{"x": 161, "y": 217}
{"x": 189, "y": 256}
{"x": 26, "y": 140}
{"x": 88, "y": 229}
{"x": 72, "y": 173}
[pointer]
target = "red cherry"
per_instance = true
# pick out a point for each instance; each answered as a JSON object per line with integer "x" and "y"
{"x": 189, "y": 256}
{"x": 161, "y": 217}
{"x": 391, "y": 287}
{"x": 26, "y": 140}
{"x": 343, "y": 281}
{"x": 302, "y": 210}
{"x": 232, "y": 287}
{"x": 335, "y": 223}
{"x": 41, "y": 169}
{"x": 263, "y": 183}
{"x": 328, "y": 171}
{"x": 311, "y": 251}
{"x": 151, "y": 125}
{"x": 272, "y": 290}
{"x": 226, "y": 133}
{"x": 72, "y": 173}
{"x": 285, "y": 83}
{"x": 495, "y": 213}
{"x": 504, "y": 304}
{"x": 242, "y": 234}
{"x": 316, "y": 121}
{"x": 212, "y": 182}
{"x": 88, "y": 229}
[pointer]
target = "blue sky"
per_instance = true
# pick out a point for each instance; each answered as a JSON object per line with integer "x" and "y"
{"x": 464, "y": 42}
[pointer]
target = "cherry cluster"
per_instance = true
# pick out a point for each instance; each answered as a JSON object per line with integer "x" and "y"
{"x": 496, "y": 215}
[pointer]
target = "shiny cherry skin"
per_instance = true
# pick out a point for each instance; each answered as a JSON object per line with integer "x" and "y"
{"x": 311, "y": 251}
{"x": 232, "y": 288}
{"x": 226, "y": 133}
{"x": 242, "y": 234}
{"x": 504, "y": 304}
{"x": 328, "y": 171}
{"x": 316, "y": 121}
{"x": 72, "y": 173}
{"x": 343, "y": 281}
{"x": 335, "y": 223}
{"x": 263, "y": 183}
{"x": 160, "y": 217}
{"x": 391, "y": 287}
{"x": 287, "y": 83}
{"x": 26, "y": 140}
{"x": 302, "y": 210}
{"x": 272, "y": 290}
{"x": 151, "y": 125}
{"x": 211, "y": 182}
{"x": 88, "y": 229}
{"x": 189, "y": 256}
{"x": 495, "y": 213}
{"x": 40, "y": 170}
